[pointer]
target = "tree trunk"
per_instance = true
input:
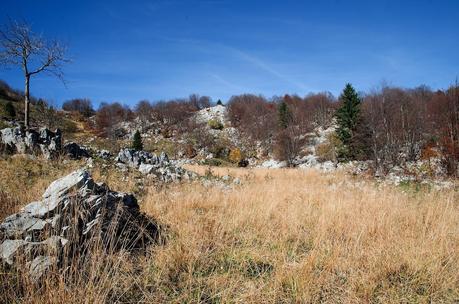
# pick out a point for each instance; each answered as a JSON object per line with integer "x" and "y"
{"x": 26, "y": 101}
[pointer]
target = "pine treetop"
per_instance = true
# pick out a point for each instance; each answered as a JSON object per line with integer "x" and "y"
{"x": 347, "y": 114}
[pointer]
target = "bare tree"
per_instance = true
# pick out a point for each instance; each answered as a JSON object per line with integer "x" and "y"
{"x": 79, "y": 105}
{"x": 19, "y": 46}
{"x": 144, "y": 110}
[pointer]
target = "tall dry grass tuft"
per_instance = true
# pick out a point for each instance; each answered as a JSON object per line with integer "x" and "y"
{"x": 283, "y": 236}
{"x": 8, "y": 203}
{"x": 24, "y": 179}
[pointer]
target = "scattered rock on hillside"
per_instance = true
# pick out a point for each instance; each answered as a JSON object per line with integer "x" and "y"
{"x": 44, "y": 141}
{"x": 273, "y": 164}
{"x": 73, "y": 211}
{"x": 218, "y": 113}
{"x": 75, "y": 151}
{"x": 151, "y": 164}
{"x": 133, "y": 158}
{"x": 104, "y": 154}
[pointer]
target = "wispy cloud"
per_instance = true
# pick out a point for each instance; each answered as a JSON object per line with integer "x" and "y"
{"x": 240, "y": 55}
{"x": 226, "y": 83}
{"x": 259, "y": 63}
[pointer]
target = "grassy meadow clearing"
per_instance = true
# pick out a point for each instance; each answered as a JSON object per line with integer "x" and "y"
{"x": 281, "y": 236}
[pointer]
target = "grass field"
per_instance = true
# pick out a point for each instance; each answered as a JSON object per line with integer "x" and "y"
{"x": 282, "y": 236}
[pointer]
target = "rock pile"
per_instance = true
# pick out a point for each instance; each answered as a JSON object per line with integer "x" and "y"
{"x": 75, "y": 151}
{"x": 44, "y": 141}
{"x": 74, "y": 214}
{"x": 151, "y": 164}
{"x": 103, "y": 154}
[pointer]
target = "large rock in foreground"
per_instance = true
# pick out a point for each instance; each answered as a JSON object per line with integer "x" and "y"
{"x": 44, "y": 141}
{"x": 74, "y": 214}
{"x": 151, "y": 164}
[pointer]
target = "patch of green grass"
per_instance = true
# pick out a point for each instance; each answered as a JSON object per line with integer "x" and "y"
{"x": 414, "y": 186}
{"x": 215, "y": 124}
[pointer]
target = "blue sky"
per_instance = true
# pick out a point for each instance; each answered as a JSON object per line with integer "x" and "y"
{"x": 131, "y": 50}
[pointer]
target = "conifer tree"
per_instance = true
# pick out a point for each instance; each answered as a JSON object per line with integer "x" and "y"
{"x": 137, "y": 141}
{"x": 285, "y": 139}
{"x": 283, "y": 115}
{"x": 219, "y": 103}
{"x": 349, "y": 122}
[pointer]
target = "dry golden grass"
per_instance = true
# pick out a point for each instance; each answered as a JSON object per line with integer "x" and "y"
{"x": 295, "y": 236}
{"x": 23, "y": 179}
{"x": 283, "y": 236}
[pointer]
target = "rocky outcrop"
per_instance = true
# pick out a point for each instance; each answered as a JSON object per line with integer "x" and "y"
{"x": 73, "y": 214}
{"x": 44, "y": 141}
{"x": 151, "y": 164}
{"x": 75, "y": 151}
{"x": 103, "y": 154}
{"x": 134, "y": 159}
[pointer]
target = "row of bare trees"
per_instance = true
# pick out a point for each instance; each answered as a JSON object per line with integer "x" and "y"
{"x": 406, "y": 124}
{"x": 172, "y": 115}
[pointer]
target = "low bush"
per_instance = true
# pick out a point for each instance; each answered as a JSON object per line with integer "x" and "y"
{"x": 213, "y": 162}
{"x": 327, "y": 150}
{"x": 190, "y": 151}
{"x": 10, "y": 110}
{"x": 235, "y": 155}
{"x": 215, "y": 124}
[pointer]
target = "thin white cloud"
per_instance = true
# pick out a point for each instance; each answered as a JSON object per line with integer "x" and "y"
{"x": 225, "y": 82}
{"x": 266, "y": 67}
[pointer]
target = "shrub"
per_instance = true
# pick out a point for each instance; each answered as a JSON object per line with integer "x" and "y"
{"x": 215, "y": 124}
{"x": 428, "y": 152}
{"x": 243, "y": 163}
{"x": 215, "y": 162}
{"x": 10, "y": 110}
{"x": 327, "y": 150}
{"x": 235, "y": 155}
{"x": 219, "y": 150}
{"x": 190, "y": 151}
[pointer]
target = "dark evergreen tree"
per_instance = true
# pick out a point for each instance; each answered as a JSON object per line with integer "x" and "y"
{"x": 10, "y": 110}
{"x": 286, "y": 144}
{"x": 350, "y": 126}
{"x": 137, "y": 141}
{"x": 219, "y": 103}
{"x": 284, "y": 115}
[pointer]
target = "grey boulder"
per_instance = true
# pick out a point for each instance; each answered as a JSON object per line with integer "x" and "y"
{"x": 43, "y": 141}
{"x": 73, "y": 211}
